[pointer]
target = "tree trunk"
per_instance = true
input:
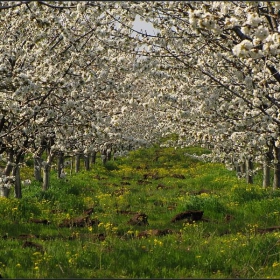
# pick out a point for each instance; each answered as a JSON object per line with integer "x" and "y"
{"x": 72, "y": 164}
{"x": 47, "y": 172}
{"x": 238, "y": 171}
{"x": 9, "y": 165}
{"x": 93, "y": 157}
{"x": 109, "y": 154}
{"x": 266, "y": 173}
{"x": 16, "y": 173}
{"x": 249, "y": 171}
{"x": 77, "y": 163}
{"x": 243, "y": 168}
{"x": 276, "y": 168}
{"x": 46, "y": 176}
{"x": 103, "y": 156}
{"x": 38, "y": 164}
{"x": 37, "y": 168}
{"x": 87, "y": 161}
{"x": 104, "y": 159}
{"x": 4, "y": 192}
{"x": 60, "y": 164}
{"x": 266, "y": 167}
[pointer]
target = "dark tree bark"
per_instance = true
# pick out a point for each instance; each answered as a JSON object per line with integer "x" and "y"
{"x": 37, "y": 168}
{"x": 93, "y": 157}
{"x": 38, "y": 162}
{"x": 9, "y": 165}
{"x": 266, "y": 175}
{"x": 249, "y": 171}
{"x": 109, "y": 154}
{"x": 87, "y": 161}
{"x": 77, "y": 163}
{"x": 243, "y": 168}
{"x": 47, "y": 164}
{"x": 16, "y": 173}
{"x": 46, "y": 176}
{"x": 266, "y": 167}
{"x": 60, "y": 164}
{"x": 276, "y": 168}
{"x": 104, "y": 156}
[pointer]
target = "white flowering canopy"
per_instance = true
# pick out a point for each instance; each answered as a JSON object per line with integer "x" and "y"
{"x": 77, "y": 75}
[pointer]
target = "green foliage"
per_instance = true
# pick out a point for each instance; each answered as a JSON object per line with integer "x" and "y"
{"x": 110, "y": 166}
{"x": 206, "y": 202}
{"x": 160, "y": 182}
{"x": 244, "y": 194}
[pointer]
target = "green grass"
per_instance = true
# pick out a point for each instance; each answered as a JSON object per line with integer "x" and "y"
{"x": 148, "y": 181}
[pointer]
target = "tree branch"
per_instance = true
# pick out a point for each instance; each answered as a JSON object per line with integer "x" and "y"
{"x": 274, "y": 72}
{"x": 241, "y": 35}
{"x": 55, "y": 7}
{"x": 12, "y": 6}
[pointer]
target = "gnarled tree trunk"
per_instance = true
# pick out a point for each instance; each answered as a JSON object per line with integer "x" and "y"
{"x": 60, "y": 164}
{"x": 72, "y": 163}
{"x": 104, "y": 156}
{"x": 266, "y": 167}
{"x": 109, "y": 154}
{"x": 7, "y": 172}
{"x": 38, "y": 164}
{"x": 9, "y": 165}
{"x": 77, "y": 163}
{"x": 93, "y": 157}
{"x": 16, "y": 173}
{"x": 37, "y": 168}
{"x": 87, "y": 161}
{"x": 47, "y": 172}
{"x": 276, "y": 168}
{"x": 243, "y": 168}
{"x": 249, "y": 171}
{"x": 266, "y": 175}
{"x": 46, "y": 176}
{"x": 238, "y": 171}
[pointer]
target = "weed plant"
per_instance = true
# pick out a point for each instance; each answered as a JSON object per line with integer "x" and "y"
{"x": 160, "y": 182}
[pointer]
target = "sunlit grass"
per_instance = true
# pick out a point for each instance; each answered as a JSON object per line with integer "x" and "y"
{"x": 160, "y": 182}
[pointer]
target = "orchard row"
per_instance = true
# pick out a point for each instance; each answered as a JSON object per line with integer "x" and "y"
{"x": 77, "y": 78}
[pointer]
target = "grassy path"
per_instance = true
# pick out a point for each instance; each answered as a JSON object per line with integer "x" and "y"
{"x": 115, "y": 221}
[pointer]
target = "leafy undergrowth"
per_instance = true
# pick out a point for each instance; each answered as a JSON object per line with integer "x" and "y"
{"x": 228, "y": 242}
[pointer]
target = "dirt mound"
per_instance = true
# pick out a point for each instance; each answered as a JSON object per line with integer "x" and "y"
{"x": 31, "y": 244}
{"x": 190, "y": 216}
{"x": 85, "y": 221}
{"x": 139, "y": 219}
{"x": 39, "y": 221}
{"x": 178, "y": 176}
{"x": 154, "y": 232}
{"x": 266, "y": 230}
